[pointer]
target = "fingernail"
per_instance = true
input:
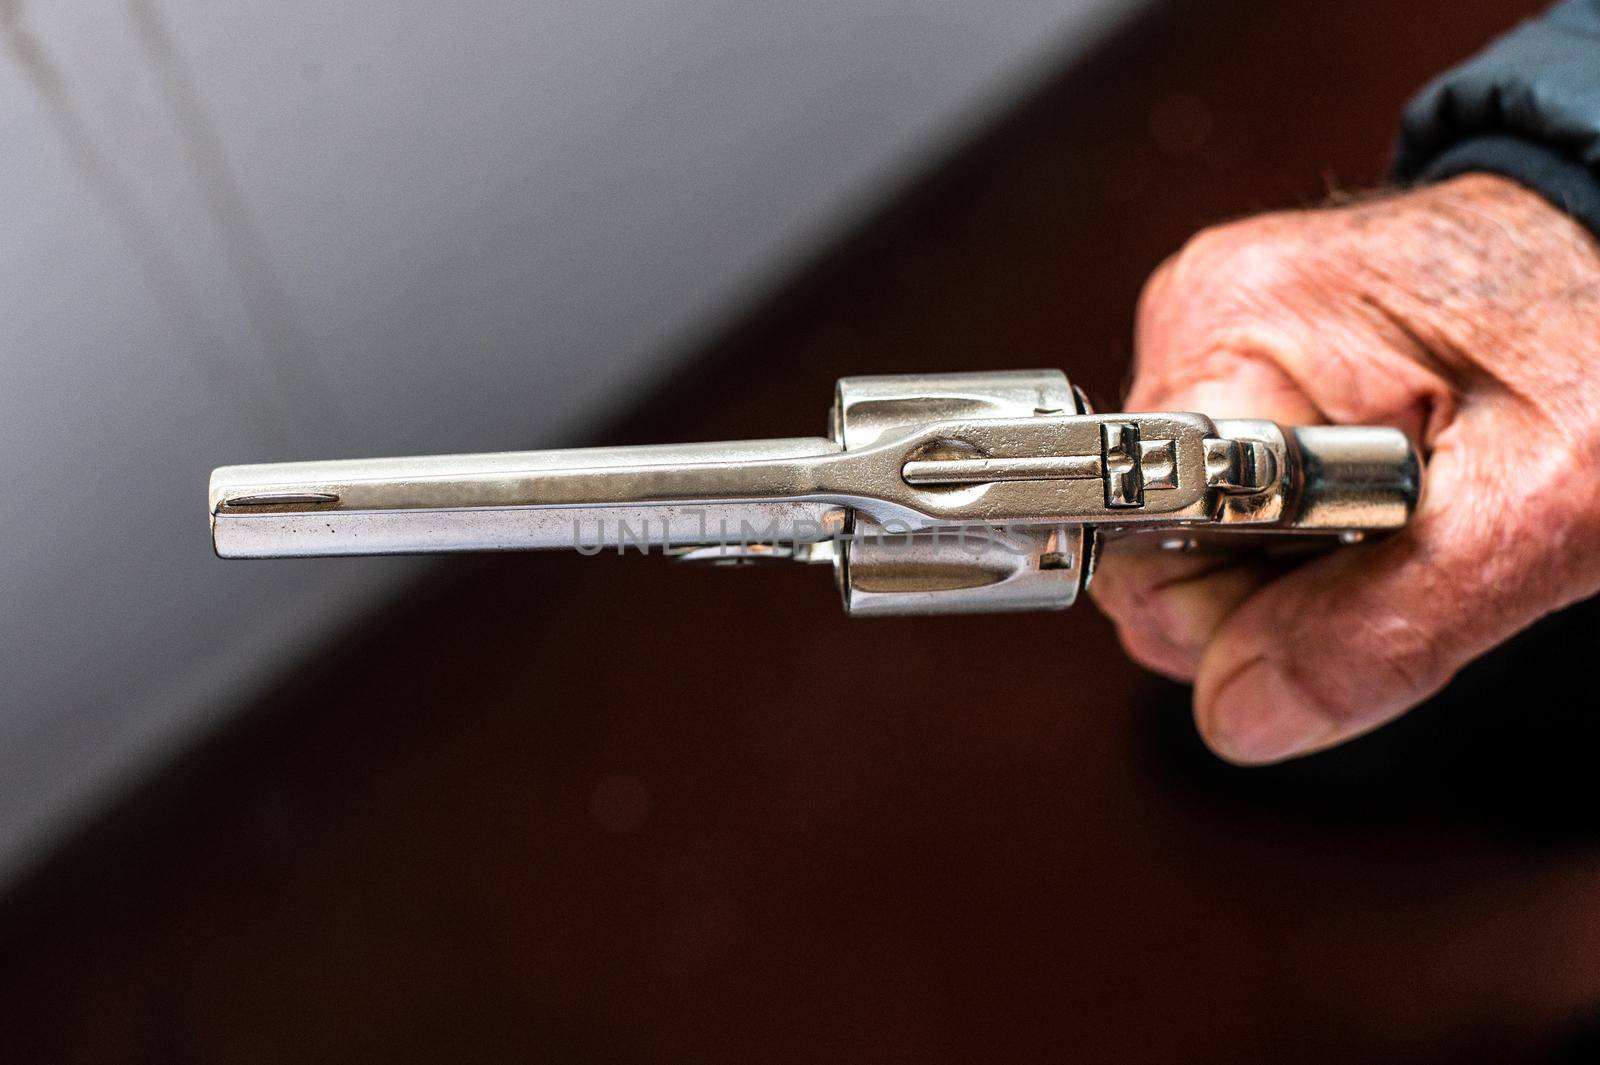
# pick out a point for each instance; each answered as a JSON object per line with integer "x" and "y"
{"x": 1257, "y": 716}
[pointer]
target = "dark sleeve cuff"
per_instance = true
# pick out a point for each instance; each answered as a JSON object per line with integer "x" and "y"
{"x": 1559, "y": 178}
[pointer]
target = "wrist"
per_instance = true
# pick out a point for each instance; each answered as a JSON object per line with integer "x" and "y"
{"x": 1565, "y": 182}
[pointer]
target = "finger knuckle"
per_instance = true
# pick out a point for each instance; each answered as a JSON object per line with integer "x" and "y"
{"x": 1262, "y": 253}
{"x": 1225, "y": 290}
{"x": 1150, "y": 648}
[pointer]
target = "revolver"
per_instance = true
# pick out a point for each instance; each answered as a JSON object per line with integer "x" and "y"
{"x": 941, "y": 493}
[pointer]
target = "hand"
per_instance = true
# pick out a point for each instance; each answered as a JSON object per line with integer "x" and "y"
{"x": 1466, "y": 313}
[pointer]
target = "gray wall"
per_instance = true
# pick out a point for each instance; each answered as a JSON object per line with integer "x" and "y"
{"x": 243, "y": 232}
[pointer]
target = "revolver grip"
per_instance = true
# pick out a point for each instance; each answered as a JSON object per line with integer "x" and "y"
{"x": 1354, "y": 477}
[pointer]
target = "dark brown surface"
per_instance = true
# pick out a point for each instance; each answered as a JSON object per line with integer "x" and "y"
{"x": 602, "y": 810}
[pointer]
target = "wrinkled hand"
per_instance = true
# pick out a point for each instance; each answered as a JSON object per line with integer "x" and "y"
{"x": 1466, "y": 313}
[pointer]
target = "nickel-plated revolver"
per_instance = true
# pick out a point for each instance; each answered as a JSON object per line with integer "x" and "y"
{"x": 931, "y": 494}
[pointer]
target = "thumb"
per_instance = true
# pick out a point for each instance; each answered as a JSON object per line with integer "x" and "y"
{"x": 1355, "y": 638}
{"x": 1229, "y": 385}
